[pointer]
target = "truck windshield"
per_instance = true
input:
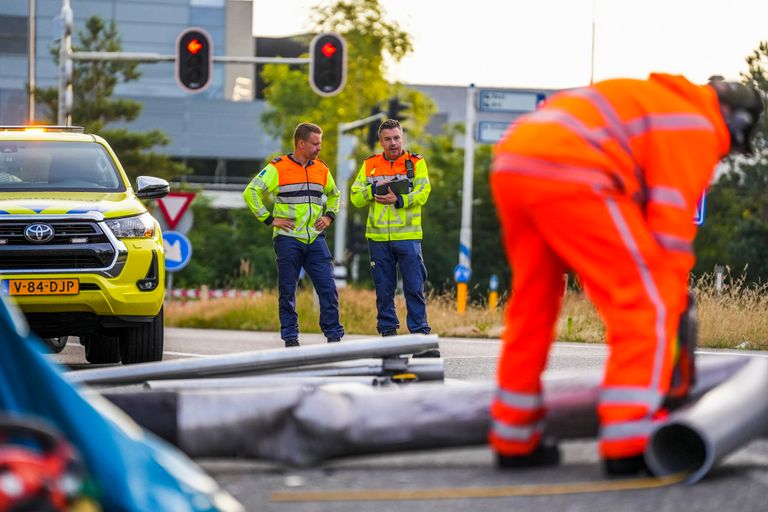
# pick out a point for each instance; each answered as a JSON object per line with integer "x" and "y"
{"x": 57, "y": 166}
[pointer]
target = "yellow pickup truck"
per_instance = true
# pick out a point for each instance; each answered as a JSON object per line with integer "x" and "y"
{"x": 79, "y": 253}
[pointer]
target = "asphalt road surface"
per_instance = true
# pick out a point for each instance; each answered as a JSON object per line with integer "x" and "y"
{"x": 463, "y": 479}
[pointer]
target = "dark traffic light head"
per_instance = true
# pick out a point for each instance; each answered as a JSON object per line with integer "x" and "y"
{"x": 396, "y": 109}
{"x": 193, "y": 59}
{"x": 328, "y": 64}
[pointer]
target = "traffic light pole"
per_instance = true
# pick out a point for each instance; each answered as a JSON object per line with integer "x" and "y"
{"x": 344, "y": 170}
{"x": 67, "y": 56}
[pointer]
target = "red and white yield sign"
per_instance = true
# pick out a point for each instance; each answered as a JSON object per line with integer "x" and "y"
{"x": 174, "y": 205}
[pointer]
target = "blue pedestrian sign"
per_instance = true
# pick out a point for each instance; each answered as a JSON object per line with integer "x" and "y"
{"x": 461, "y": 274}
{"x": 701, "y": 209}
{"x": 178, "y": 251}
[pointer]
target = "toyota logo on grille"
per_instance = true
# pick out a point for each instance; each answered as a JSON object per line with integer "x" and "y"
{"x": 38, "y": 233}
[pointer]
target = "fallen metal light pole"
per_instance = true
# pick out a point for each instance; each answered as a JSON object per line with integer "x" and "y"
{"x": 249, "y": 361}
{"x": 425, "y": 369}
{"x": 302, "y": 425}
{"x": 694, "y": 438}
{"x": 261, "y": 380}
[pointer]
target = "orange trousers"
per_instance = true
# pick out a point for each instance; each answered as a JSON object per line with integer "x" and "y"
{"x": 549, "y": 228}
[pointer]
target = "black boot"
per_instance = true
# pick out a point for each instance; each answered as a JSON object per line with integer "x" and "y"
{"x": 626, "y": 466}
{"x": 546, "y": 454}
{"x": 292, "y": 343}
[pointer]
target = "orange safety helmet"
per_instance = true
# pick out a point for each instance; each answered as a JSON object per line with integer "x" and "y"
{"x": 741, "y": 107}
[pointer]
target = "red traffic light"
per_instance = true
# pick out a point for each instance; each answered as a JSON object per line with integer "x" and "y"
{"x": 194, "y": 58}
{"x": 328, "y": 64}
{"x": 328, "y": 50}
{"x": 194, "y": 46}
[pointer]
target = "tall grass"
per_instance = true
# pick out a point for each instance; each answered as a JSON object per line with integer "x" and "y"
{"x": 734, "y": 317}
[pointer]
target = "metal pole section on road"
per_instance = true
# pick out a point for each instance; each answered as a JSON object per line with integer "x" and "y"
{"x": 464, "y": 268}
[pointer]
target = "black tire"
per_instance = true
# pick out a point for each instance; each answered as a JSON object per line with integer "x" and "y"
{"x": 56, "y": 344}
{"x": 143, "y": 343}
{"x": 100, "y": 349}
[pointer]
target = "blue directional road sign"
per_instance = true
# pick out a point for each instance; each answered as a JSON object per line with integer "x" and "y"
{"x": 461, "y": 273}
{"x": 178, "y": 251}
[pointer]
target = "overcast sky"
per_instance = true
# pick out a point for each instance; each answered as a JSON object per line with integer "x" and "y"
{"x": 547, "y": 43}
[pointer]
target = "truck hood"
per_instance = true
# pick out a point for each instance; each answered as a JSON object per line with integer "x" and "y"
{"x": 113, "y": 205}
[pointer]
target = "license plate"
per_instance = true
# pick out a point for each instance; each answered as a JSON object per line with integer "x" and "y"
{"x": 41, "y": 286}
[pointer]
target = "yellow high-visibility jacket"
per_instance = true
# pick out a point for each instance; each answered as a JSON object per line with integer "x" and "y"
{"x": 399, "y": 221}
{"x": 300, "y": 195}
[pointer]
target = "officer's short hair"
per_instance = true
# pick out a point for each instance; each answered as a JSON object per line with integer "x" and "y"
{"x": 303, "y": 130}
{"x": 388, "y": 125}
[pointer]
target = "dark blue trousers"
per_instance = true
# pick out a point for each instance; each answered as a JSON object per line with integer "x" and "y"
{"x": 317, "y": 262}
{"x": 386, "y": 257}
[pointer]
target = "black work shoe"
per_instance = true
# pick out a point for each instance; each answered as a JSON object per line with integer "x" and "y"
{"x": 334, "y": 340}
{"x": 389, "y": 333}
{"x": 626, "y": 466}
{"x": 546, "y": 454}
{"x": 430, "y": 352}
{"x": 292, "y": 343}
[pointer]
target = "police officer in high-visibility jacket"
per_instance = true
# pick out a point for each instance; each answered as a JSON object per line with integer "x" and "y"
{"x": 306, "y": 201}
{"x": 604, "y": 181}
{"x": 395, "y": 185}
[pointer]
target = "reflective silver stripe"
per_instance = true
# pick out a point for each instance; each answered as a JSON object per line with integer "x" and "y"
{"x": 517, "y": 433}
{"x": 667, "y": 196}
{"x": 527, "y": 166}
{"x": 259, "y": 182}
{"x": 668, "y": 122}
{"x": 528, "y": 401}
{"x": 673, "y": 243}
{"x": 626, "y": 430}
{"x": 300, "y": 187}
{"x": 596, "y": 137}
{"x": 299, "y": 200}
{"x": 420, "y": 181}
{"x": 631, "y": 395}
{"x": 650, "y": 289}
{"x": 414, "y": 229}
{"x": 614, "y": 125}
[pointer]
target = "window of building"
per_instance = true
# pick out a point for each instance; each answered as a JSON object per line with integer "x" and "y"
{"x": 13, "y": 35}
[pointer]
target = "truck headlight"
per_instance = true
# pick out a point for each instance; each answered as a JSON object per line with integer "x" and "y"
{"x": 141, "y": 226}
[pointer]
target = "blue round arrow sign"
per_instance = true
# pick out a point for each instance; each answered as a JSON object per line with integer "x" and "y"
{"x": 178, "y": 250}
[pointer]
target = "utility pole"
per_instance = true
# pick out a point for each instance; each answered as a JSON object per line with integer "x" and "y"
{"x": 345, "y": 146}
{"x": 31, "y": 49}
{"x": 463, "y": 270}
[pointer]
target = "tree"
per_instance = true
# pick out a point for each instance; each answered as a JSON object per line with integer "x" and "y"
{"x": 736, "y": 229}
{"x": 369, "y": 38}
{"x": 94, "y": 108}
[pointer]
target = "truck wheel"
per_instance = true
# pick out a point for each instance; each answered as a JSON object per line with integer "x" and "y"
{"x": 56, "y": 344}
{"x": 100, "y": 349}
{"x": 143, "y": 343}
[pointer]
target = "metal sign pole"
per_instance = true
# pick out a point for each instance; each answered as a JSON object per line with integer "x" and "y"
{"x": 464, "y": 268}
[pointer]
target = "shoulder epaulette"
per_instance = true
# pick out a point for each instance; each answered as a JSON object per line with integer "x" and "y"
{"x": 416, "y": 156}
{"x": 276, "y": 159}
{"x": 373, "y": 155}
{"x": 318, "y": 160}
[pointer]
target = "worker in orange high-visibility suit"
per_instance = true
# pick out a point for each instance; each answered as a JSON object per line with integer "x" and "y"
{"x": 604, "y": 181}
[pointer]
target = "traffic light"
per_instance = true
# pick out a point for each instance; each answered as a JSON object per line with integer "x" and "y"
{"x": 396, "y": 108}
{"x": 328, "y": 64}
{"x": 194, "y": 52}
